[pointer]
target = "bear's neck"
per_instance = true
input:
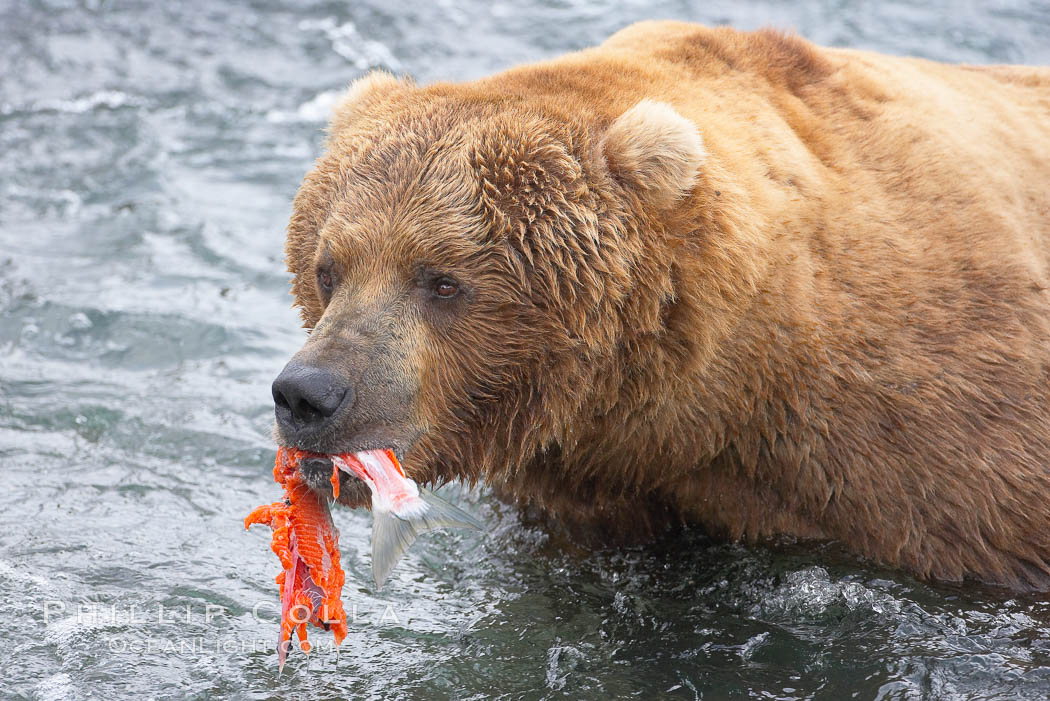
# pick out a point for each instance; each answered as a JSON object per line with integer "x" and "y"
{"x": 727, "y": 396}
{"x": 705, "y": 382}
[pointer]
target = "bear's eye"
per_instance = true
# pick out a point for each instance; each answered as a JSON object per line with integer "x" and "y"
{"x": 324, "y": 278}
{"x": 445, "y": 288}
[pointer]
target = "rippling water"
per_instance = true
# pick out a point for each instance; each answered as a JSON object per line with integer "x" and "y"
{"x": 148, "y": 155}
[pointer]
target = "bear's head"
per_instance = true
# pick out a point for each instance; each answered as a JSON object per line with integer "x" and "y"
{"x": 472, "y": 264}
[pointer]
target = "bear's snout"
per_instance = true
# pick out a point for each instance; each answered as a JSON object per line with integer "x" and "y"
{"x": 307, "y": 397}
{"x": 344, "y": 392}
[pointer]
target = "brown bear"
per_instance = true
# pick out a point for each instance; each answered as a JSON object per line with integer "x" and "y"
{"x": 697, "y": 276}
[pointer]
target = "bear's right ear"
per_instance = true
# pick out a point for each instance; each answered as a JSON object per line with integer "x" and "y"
{"x": 363, "y": 92}
{"x": 656, "y": 151}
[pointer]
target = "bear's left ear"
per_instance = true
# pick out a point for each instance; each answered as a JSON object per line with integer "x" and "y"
{"x": 655, "y": 150}
{"x": 363, "y": 93}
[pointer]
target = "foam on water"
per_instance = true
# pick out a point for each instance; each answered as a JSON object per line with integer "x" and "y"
{"x": 316, "y": 109}
{"x": 58, "y": 687}
{"x": 348, "y": 42}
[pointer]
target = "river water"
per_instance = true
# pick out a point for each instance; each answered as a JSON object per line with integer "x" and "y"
{"x": 148, "y": 155}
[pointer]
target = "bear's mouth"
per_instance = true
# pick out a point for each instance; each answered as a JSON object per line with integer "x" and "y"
{"x": 317, "y": 469}
{"x": 317, "y": 473}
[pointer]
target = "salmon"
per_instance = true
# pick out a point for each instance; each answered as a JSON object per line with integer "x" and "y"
{"x": 307, "y": 543}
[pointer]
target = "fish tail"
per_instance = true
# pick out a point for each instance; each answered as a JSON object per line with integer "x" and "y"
{"x": 392, "y": 534}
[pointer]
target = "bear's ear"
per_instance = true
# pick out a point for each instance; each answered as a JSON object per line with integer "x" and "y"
{"x": 363, "y": 92}
{"x": 657, "y": 151}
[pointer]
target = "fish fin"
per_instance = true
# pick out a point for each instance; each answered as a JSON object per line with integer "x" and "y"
{"x": 392, "y": 534}
{"x": 442, "y": 514}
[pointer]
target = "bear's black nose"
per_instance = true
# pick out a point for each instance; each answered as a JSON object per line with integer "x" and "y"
{"x": 307, "y": 396}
